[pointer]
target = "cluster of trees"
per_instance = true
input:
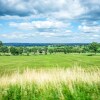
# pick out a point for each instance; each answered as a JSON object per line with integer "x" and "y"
{"x": 93, "y": 47}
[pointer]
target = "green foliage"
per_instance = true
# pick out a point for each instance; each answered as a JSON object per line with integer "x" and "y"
{"x": 50, "y": 50}
{"x": 45, "y": 50}
{"x": 94, "y": 46}
{"x": 69, "y": 49}
{"x": 4, "y": 49}
{"x": 79, "y": 91}
{"x": 13, "y": 51}
{"x": 40, "y": 50}
{"x": 20, "y": 50}
{"x": 34, "y": 50}
{"x": 16, "y": 50}
{"x": 1, "y": 44}
{"x": 86, "y": 49}
{"x": 65, "y": 50}
{"x": 26, "y": 50}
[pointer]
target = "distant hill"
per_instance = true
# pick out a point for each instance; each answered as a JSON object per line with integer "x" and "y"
{"x": 43, "y": 44}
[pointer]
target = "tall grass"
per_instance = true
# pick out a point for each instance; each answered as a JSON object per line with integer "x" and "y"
{"x": 51, "y": 84}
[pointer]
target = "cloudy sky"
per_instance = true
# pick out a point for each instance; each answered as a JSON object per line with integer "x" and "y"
{"x": 53, "y": 21}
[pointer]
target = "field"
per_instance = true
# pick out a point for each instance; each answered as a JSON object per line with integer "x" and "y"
{"x": 50, "y": 77}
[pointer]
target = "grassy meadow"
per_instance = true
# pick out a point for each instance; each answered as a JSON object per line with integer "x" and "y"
{"x": 50, "y": 77}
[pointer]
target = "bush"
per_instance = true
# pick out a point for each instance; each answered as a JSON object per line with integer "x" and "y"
{"x": 90, "y": 54}
{"x": 7, "y": 55}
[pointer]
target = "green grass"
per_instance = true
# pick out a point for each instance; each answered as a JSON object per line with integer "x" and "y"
{"x": 81, "y": 91}
{"x": 13, "y": 63}
{"x": 50, "y": 77}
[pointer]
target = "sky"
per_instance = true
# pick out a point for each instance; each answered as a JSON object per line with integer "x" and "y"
{"x": 50, "y": 21}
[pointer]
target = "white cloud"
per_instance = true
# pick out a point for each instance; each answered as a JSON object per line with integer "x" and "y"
{"x": 89, "y": 29}
{"x": 50, "y": 18}
{"x": 47, "y": 34}
{"x": 67, "y": 33}
{"x": 22, "y": 26}
{"x": 17, "y": 35}
{"x": 57, "y": 9}
{"x": 48, "y": 24}
{"x": 60, "y": 9}
{"x": 70, "y": 10}
{"x": 39, "y": 24}
{"x": 15, "y": 17}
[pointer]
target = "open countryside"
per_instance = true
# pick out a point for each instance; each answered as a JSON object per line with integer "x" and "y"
{"x": 49, "y": 49}
{"x": 54, "y": 72}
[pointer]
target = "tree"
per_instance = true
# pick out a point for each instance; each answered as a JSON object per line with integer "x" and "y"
{"x": 20, "y": 50}
{"x": 45, "y": 50}
{"x": 4, "y": 49}
{"x": 79, "y": 49}
{"x": 40, "y": 50}
{"x": 14, "y": 51}
{"x": 85, "y": 49}
{"x": 94, "y": 46}
{"x": 65, "y": 50}
{"x": 69, "y": 49}
{"x": 50, "y": 50}
{"x": 34, "y": 50}
{"x": 55, "y": 50}
{"x": 26, "y": 50}
{"x": 1, "y": 44}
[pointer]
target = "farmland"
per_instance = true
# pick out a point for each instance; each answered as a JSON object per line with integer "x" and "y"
{"x": 49, "y": 49}
{"x": 50, "y": 77}
{"x": 13, "y": 63}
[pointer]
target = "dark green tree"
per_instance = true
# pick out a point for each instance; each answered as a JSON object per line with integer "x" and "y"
{"x": 20, "y": 50}
{"x": 94, "y": 47}
{"x": 34, "y": 50}
{"x": 4, "y": 49}
{"x": 69, "y": 49}
{"x": 65, "y": 50}
{"x": 50, "y": 50}
{"x": 85, "y": 49}
{"x": 45, "y": 50}
{"x": 1, "y": 44}
{"x": 40, "y": 50}
{"x": 55, "y": 50}
{"x": 14, "y": 51}
{"x": 26, "y": 50}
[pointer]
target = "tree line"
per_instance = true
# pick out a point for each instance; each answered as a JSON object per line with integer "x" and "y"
{"x": 93, "y": 47}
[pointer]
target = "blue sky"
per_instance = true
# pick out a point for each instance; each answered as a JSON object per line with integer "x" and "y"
{"x": 50, "y": 21}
